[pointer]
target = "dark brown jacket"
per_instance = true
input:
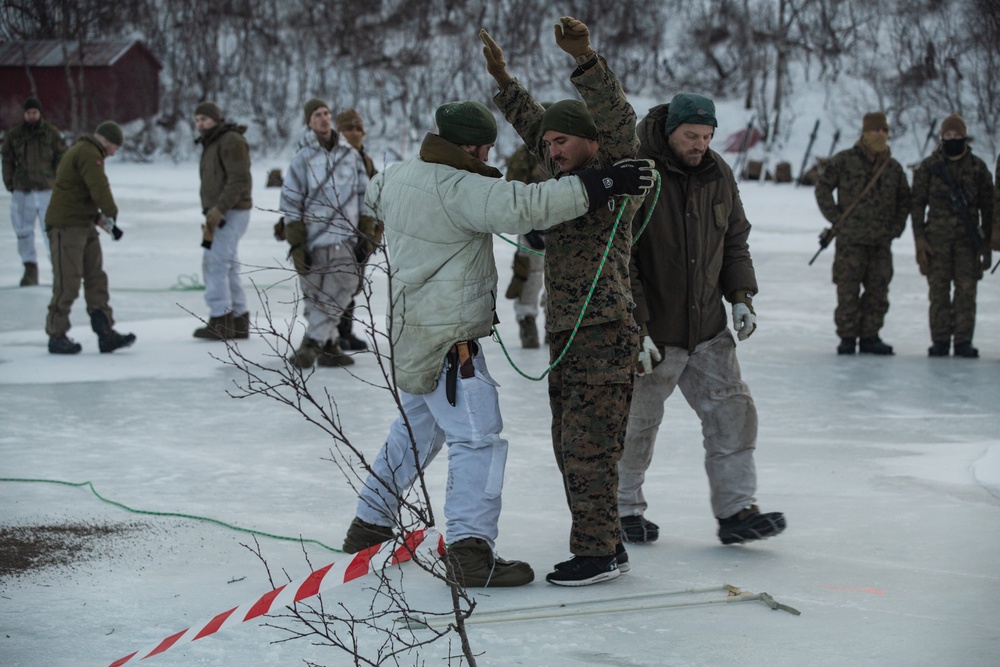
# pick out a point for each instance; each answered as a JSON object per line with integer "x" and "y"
{"x": 81, "y": 189}
{"x": 694, "y": 250}
{"x": 225, "y": 169}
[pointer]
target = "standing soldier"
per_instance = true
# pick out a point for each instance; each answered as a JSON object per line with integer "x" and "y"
{"x": 872, "y": 204}
{"x": 322, "y": 198}
{"x": 953, "y": 242}
{"x": 529, "y": 264}
{"x": 693, "y": 252}
{"x": 590, "y": 389}
{"x": 226, "y": 202}
{"x": 31, "y": 153}
{"x": 351, "y": 126}
{"x": 81, "y": 200}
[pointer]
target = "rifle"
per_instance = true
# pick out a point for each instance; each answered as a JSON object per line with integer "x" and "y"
{"x": 930, "y": 135}
{"x": 805, "y": 158}
{"x": 739, "y": 164}
{"x": 959, "y": 201}
{"x": 833, "y": 144}
{"x": 827, "y": 234}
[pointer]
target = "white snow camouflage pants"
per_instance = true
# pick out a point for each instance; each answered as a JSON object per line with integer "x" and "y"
{"x": 327, "y": 290}
{"x": 477, "y": 456}
{"x": 710, "y": 380}
{"x": 220, "y": 266}
{"x": 25, "y": 208}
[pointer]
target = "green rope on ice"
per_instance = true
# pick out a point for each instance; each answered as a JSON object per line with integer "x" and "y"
{"x": 188, "y": 282}
{"x": 170, "y": 514}
{"x": 590, "y": 293}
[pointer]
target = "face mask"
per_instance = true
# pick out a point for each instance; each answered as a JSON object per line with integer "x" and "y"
{"x": 876, "y": 143}
{"x": 953, "y": 147}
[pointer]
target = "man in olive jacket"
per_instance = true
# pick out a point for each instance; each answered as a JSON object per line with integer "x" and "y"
{"x": 81, "y": 200}
{"x": 865, "y": 221}
{"x": 953, "y": 240}
{"x": 31, "y": 152}
{"x": 226, "y": 202}
{"x": 691, "y": 254}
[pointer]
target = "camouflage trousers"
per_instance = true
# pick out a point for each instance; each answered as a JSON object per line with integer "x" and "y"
{"x": 855, "y": 267}
{"x": 953, "y": 313}
{"x": 590, "y": 392}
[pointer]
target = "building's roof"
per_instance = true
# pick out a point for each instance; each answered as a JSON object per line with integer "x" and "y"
{"x": 54, "y": 53}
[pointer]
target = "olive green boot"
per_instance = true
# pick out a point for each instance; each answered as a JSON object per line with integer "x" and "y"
{"x": 332, "y": 355}
{"x": 361, "y": 535}
{"x": 305, "y": 356}
{"x": 472, "y": 564}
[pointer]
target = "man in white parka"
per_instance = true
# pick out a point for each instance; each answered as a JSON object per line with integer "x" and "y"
{"x": 440, "y": 211}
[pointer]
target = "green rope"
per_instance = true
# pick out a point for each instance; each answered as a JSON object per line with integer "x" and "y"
{"x": 590, "y": 293}
{"x": 171, "y": 514}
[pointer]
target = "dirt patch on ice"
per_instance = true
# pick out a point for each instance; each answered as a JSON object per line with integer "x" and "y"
{"x": 27, "y": 549}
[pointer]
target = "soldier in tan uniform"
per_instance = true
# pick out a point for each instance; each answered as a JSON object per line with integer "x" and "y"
{"x": 870, "y": 210}
{"x": 953, "y": 240}
{"x": 591, "y": 388}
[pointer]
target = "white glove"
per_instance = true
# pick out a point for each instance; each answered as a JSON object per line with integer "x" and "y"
{"x": 648, "y": 354}
{"x": 744, "y": 320}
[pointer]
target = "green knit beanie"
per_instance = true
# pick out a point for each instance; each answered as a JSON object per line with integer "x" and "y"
{"x": 690, "y": 108}
{"x": 312, "y": 105}
{"x": 210, "y": 109}
{"x": 569, "y": 117}
{"x": 32, "y": 103}
{"x": 111, "y": 131}
{"x": 466, "y": 123}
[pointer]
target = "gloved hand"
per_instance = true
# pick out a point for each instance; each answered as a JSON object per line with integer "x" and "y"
{"x": 649, "y": 356}
{"x": 369, "y": 236}
{"x": 496, "y": 65}
{"x": 573, "y": 37}
{"x": 744, "y": 320}
{"x": 626, "y": 177}
{"x": 295, "y": 234}
{"x": 213, "y": 218}
{"x": 825, "y": 237}
{"x": 924, "y": 253}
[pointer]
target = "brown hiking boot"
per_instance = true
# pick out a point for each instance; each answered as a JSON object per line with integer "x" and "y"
{"x": 332, "y": 355}
{"x": 361, "y": 535}
{"x": 241, "y": 326}
{"x": 529, "y": 333}
{"x": 305, "y": 356}
{"x": 217, "y": 328}
{"x": 30, "y": 276}
{"x": 472, "y": 564}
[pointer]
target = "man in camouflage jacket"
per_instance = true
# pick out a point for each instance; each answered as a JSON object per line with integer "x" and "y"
{"x": 863, "y": 257}
{"x": 31, "y": 152}
{"x": 226, "y": 201}
{"x": 953, "y": 241}
{"x": 590, "y": 389}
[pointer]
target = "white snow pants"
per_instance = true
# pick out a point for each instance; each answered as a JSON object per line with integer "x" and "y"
{"x": 531, "y": 291}
{"x": 327, "y": 290}
{"x": 710, "y": 381}
{"x": 25, "y": 208}
{"x": 220, "y": 266}
{"x": 477, "y": 456}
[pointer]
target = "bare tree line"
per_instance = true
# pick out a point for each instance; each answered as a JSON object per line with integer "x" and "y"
{"x": 396, "y": 60}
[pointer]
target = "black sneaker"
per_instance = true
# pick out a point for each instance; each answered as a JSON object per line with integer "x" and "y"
{"x": 847, "y": 346}
{"x": 874, "y": 345}
{"x": 639, "y": 529}
{"x": 621, "y": 558}
{"x": 63, "y": 345}
{"x": 584, "y": 571}
{"x": 939, "y": 348}
{"x": 749, "y": 524}
{"x": 966, "y": 350}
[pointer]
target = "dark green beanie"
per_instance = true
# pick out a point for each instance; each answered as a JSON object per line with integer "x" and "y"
{"x": 32, "y": 103}
{"x": 210, "y": 109}
{"x": 569, "y": 117}
{"x": 111, "y": 131}
{"x": 690, "y": 108}
{"x": 466, "y": 123}
{"x": 312, "y": 105}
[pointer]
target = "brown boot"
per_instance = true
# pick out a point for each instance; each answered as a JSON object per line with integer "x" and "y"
{"x": 472, "y": 564}
{"x": 217, "y": 328}
{"x": 241, "y": 326}
{"x": 30, "y": 276}
{"x": 333, "y": 356}
{"x": 305, "y": 356}
{"x": 361, "y": 535}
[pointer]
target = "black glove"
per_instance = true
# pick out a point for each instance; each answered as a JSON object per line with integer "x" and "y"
{"x": 626, "y": 177}
{"x": 825, "y": 237}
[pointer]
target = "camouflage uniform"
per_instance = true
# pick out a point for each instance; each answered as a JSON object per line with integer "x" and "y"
{"x": 863, "y": 255}
{"x": 591, "y": 389}
{"x": 529, "y": 268}
{"x": 954, "y": 260}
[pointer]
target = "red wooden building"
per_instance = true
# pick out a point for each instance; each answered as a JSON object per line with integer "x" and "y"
{"x": 79, "y": 85}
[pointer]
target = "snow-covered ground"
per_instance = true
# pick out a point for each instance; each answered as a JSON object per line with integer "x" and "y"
{"x": 888, "y": 470}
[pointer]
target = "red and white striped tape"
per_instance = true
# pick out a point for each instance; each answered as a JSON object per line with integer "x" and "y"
{"x": 364, "y": 562}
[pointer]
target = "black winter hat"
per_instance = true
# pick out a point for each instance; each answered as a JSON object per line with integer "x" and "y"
{"x": 32, "y": 103}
